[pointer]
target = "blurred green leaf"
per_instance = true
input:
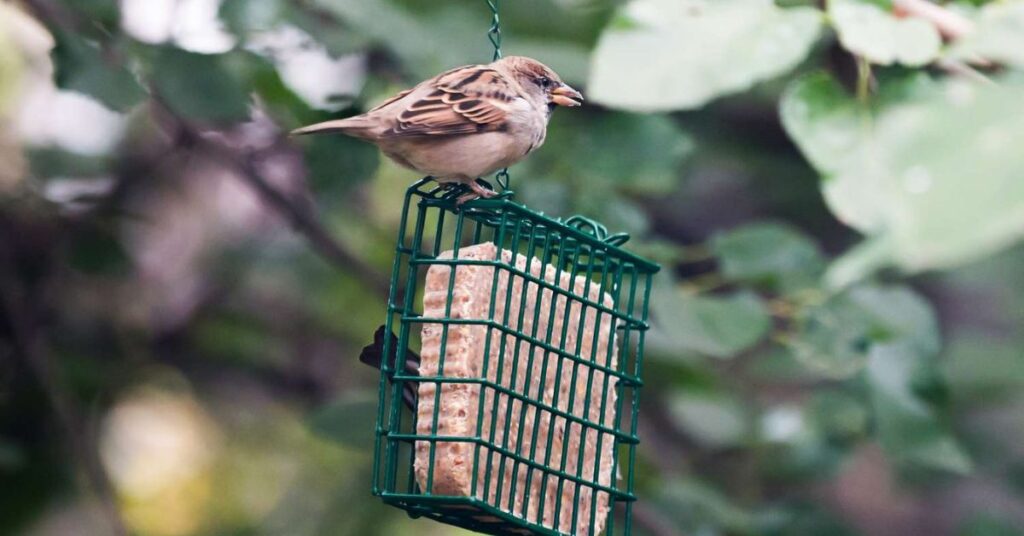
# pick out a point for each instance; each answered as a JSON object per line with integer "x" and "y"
{"x": 981, "y": 524}
{"x": 998, "y": 36}
{"x": 570, "y": 60}
{"x": 598, "y": 153}
{"x": 714, "y": 419}
{"x": 718, "y": 326}
{"x": 868, "y": 30}
{"x": 771, "y": 254}
{"x": 699, "y": 508}
{"x": 801, "y": 519}
{"x": 429, "y": 44}
{"x": 835, "y": 338}
{"x": 907, "y": 427}
{"x": 98, "y": 251}
{"x": 248, "y": 18}
{"x": 983, "y": 366}
{"x": 660, "y": 55}
{"x": 81, "y": 66}
{"x": 823, "y": 120}
{"x": 349, "y": 420}
{"x": 201, "y": 86}
{"x": 901, "y": 179}
{"x": 103, "y": 16}
{"x": 242, "y": 339}
{"x": 49, "y": 163}
{"x": 245, "y": 16}
{"x": 839, "y": 416}
{"x": 336, "y": 163}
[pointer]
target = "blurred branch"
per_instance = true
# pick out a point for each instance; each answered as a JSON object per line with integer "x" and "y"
{"x": 303, "y": 219}
{"x": 28, "y": 344}
{"x": 950, "y": 24}
{"x": 52, "y": 13}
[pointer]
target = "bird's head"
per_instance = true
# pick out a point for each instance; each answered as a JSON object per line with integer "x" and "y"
{"x": 540, "y": 82}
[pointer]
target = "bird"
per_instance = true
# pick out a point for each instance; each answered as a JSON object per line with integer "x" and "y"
{"x": 464, "y": 123}
{"x": 373, "y": 355}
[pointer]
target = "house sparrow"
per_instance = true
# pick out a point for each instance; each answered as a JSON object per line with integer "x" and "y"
{"x": 464, "y": 123}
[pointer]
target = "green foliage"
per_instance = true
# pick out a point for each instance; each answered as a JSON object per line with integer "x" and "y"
{"x": 898, "y": 174}
{"x": 772, "y": 255}
{"x": 716, "y": 420}
{"x": 999, "y": 35}
{"x": 349, "y": 420}
{"x": 81, "y": 66}
{"x": 872, "y": 31}
{"x": 718, "y": 326}
{"x": 660, "y": 55}
{"x": 614, "y": 152}
{"x": 907, "y": 426}
{"x": 203, "y": 87}
{"x": 787, "y": 152}
{"x": 837, "y": 336}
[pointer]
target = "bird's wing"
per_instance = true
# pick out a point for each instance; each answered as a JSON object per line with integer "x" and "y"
{"x": 394, "y": 98}
{"x": 461, "y": 101}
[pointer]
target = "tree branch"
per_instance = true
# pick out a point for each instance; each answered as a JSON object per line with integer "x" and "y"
{"x": 22, "y": 319}
{"x": 950, "y": 24}
{"x": 303, "y": 219}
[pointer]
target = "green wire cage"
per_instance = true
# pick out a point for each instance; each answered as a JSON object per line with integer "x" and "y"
{"x": 509, "y": 397}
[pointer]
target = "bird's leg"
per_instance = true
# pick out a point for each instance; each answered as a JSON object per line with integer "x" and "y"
{"x": 477, "y": 191}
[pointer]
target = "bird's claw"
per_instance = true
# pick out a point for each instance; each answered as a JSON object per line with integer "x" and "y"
{"x": 477, "y": 191}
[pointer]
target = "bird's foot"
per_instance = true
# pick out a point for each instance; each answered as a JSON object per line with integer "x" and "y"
{"x": 477, "y": 191}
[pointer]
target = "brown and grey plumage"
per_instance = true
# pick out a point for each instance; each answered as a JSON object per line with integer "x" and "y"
{"x": 464, "y": 123}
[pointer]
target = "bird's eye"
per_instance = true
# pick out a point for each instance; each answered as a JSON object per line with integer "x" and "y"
{"x": 544, "y": 82}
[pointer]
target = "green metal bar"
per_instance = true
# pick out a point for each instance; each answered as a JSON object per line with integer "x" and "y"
{"x": 512, "y": 378}
{"x": 561, "y": 353}
{"x": 519, "y": 396}
{"x": 487, "y": 343}
{"x": 529, "y": 370}
{"x": 544, "y": 368}
{"x": 382, "y": 389}
{"x": 524, "y": 291}
{"x": 442, "y": 352}
{"x": 533, "y": 279}
{"x": 605, "y": 388}
{"x": 572, "y": 389}
{"x": 496, "y": 206}
{"x": 589, "y": 391}
{"x": 410, "y": 438}
{"x": 620, "y": 388}
{"x": 512, "y": 382}
{"x": 531, "y": 248}
{"x": 558, "y": 373}
{"x": 395, "y": 423}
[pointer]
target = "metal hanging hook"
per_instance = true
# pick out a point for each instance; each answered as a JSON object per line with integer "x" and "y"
{"x": 494, "y": 35}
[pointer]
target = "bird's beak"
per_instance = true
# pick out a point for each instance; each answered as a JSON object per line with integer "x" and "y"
{"x": 564, "y": 95}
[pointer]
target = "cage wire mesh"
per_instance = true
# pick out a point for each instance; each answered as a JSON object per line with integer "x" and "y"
{"x": 521, "y": 414}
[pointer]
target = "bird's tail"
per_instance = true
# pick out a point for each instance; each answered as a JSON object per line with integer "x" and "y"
{"x": 353, "y": 126}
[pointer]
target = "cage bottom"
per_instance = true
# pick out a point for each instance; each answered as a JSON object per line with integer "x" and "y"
{"x": 466, "y": 512}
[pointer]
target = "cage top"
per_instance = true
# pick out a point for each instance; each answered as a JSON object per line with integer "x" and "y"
{"x": 579, "y": 228}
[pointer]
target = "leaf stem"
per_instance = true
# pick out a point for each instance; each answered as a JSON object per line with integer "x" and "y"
{"x": 863, "y": 80}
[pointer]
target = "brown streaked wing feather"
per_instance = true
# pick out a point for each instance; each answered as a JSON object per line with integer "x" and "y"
{"x": 397, "y": 97}
{"x": 466, "y": 100}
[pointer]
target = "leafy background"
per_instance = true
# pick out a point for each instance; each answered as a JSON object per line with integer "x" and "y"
{"x": 834, "y": 190}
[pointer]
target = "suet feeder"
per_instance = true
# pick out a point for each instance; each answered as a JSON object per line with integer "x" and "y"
{"x": 520, "y": 416}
